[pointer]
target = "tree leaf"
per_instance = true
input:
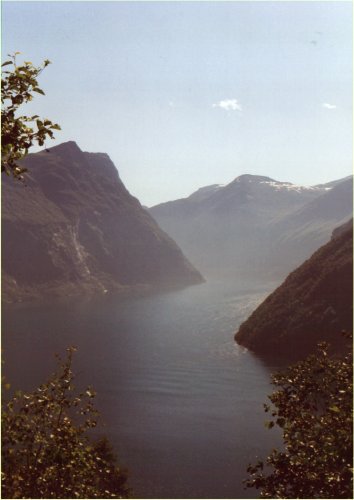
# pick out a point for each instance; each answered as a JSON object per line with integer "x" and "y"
{"x": 38, "y": 90}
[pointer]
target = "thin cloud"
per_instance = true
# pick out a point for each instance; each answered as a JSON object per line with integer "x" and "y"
{"x": 228, "y": 105}
{"x": 329, "y": 106}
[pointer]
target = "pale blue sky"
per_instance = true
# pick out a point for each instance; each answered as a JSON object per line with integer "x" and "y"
{"x": 186, "y": 94}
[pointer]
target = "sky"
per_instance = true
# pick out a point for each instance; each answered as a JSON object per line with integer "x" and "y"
{"x": 182, "y": 95}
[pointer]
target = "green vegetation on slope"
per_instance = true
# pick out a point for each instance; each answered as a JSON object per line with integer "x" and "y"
{"x": 46, "y": 448}
{"x": 313, "y": 304}
{"x": 313, "y": 407}
{"x": 19, "y": 133}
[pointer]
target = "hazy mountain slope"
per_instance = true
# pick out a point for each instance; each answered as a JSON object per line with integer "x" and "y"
{"x": 74, "y": 226}
{"x": 314, "y": 303}
{"x": 335, "y": 182}
{"x": 296, "y": 236}
{"x": 333, "y": 206}
{"x": 241, "y": 229}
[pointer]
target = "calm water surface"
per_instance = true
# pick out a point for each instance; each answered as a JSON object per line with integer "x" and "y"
{"x": 180, "y": 401}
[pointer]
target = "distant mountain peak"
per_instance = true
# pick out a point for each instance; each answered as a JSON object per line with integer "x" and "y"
{"x": 65, "y": 146}
{"x": 292, "y": 187}
{"x": 246, "y": 179}
{"x": 255, "y": 225}
{"x": 68, "y": 151}
{"x": 252, "y": 178}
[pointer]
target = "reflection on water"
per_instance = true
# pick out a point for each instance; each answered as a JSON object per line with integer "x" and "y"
{"x": 180, "y": 401}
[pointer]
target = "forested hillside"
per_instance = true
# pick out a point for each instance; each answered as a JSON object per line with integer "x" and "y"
{"x": 313, "y": 304}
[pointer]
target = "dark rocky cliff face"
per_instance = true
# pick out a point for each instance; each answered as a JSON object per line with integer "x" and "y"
{"x": 314, "y": 304}
{"x": 74, "y": 227}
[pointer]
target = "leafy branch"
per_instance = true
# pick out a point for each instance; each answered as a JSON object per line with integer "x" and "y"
{"x": 19, "y": 133}
{"x": 46, "y": 449}
{"x": 313, "y": 407}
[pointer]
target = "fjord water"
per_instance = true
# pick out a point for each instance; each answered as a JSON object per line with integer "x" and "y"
{"x": 179, "y": 400}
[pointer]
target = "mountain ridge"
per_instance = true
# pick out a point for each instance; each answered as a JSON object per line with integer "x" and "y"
{"x": 246, "y": 227}
{"x": 81, "y": 230}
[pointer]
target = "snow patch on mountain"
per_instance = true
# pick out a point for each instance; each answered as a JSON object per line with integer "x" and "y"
{"x": 278, "y": 186}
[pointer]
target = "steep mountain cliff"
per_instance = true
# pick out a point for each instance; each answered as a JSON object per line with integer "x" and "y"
{"x": 313, "y": 304}
{"x": 74, "y": 227}
{"x": 255, "y": 226}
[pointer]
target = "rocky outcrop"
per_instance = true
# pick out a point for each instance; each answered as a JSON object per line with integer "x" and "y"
{"x": 73, "y": 227}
